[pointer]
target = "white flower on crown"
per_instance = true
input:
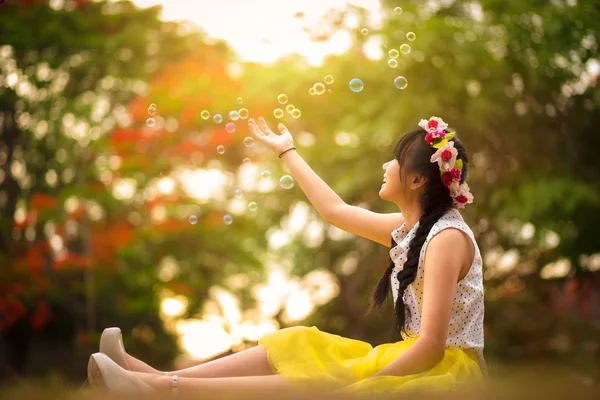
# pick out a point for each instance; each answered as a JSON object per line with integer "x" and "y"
{"x": 445, "y": 157}
{"x": 433, "y": 124}
{"x": 462, "y": 196}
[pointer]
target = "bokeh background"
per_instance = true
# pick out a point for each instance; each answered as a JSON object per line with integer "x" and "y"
{"x": 108, "y": 219}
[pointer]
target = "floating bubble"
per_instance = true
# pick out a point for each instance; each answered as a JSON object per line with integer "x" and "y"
{"x": 400, "y": 82}
{"x": 393, "y": 53}
{"x": 244, "y": 113}
{"x": 227, "y": 219}
{"x": 205, "y": 114}
{"x": 330, "y": 91}
{"x": 230, "y": 127}
{"x": 248, "y": 142}
{"x": 282, "y": 99}
{"x": 356, "y": 85}
{"x": 152, "y": 109}
{"x": 150, "y": 122}
{"x": 319, "y": 88}
{"x": 265, "y": 174}
{"x": 398, "y": 10}
{"x": 252, "y": 206}
{"x": 286, "y": 182}
{"x": 289, "y": 108}
{"x": 193, "y": 219}
{"x": 393, "y": 63}
{"x": 278, "y": 113}
{"x": 234, "y": 115}
{"x": 239, "y": 100}
{"x": 221, "y": 149}
{"x": 312, "y": 91}
{"x": 246, "y": 160}
{"x": 328, "y": 79}
{"x": 238, "y": 193}
{"x": 411, "y": 36}
{"x": 296, "y": 113}
{"x": 364, "y": 31}
{"x": 405, "y": 49}
{"x": 218, "y": 118}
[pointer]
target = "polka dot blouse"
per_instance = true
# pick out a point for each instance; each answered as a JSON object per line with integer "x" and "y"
{"x": 466, "y": 321}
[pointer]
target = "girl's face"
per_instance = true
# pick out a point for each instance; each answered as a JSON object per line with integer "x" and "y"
{"x": 392, "y": 188}
{"x": 399, "y": 191}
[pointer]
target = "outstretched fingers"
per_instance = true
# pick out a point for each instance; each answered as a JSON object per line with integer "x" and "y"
{"x": 256, "y": 131}
{"x": 263, "y": 125}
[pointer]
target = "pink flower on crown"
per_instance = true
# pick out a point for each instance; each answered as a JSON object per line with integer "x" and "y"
{"x": 447, "y": 178}
{"x": 463, "y": 196}
{"x": 456, "y": 173}
{"x": 429, "y": 138}
{"x": 445, "y": 156}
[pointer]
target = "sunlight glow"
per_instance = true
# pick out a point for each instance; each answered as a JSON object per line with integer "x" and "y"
{"x": 265, "y": 30}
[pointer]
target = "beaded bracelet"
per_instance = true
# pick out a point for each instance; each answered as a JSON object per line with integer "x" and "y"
{"x": 291, "y": 148}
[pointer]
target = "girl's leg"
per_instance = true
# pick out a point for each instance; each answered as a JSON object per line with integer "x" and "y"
{"x": 250, "y": 362}
{"x": 140, "y": 366}
{"x": 230, "y": 388}
{"x": 233, "y": 387}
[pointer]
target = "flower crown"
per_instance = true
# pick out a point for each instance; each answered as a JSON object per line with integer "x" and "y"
{"x": 446, "y": 157}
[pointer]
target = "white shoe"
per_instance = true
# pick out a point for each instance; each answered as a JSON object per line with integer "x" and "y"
{"x": 111, "y": 344}
{"x": 104, "y": 372}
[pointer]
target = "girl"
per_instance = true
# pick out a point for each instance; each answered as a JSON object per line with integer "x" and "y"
{"x": 435, "y": 276}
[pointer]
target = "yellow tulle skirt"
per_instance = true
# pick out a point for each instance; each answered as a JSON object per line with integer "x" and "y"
{"x": 309, "y": 358}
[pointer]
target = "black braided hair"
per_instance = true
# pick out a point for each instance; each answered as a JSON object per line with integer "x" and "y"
{"x": 413, "y": 154}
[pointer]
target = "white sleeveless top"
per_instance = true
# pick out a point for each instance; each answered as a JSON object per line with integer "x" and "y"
{"x": 466, "y": 320}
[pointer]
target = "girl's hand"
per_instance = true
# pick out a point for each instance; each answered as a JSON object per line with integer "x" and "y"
{"x": 262, "y": 132}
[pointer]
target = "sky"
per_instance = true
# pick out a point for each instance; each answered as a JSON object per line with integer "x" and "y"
{"x": 264, "y": 30}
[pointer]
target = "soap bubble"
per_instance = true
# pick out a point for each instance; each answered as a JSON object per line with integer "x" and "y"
{"x": 356, "y": 85}
{"x": 393, "y": 63}
{"x": 282, "y": 99}
{"x": 240, "y": 100}
{"x": 248, "y": 142}
{"x": 218, "y": 118}
{"x": 205, "y": 114}
{"x": 278, "y": 113}
{"x": 393, "y": 53}
{"x": 364, "y": 31}
{"x": 411, "y": 36}
{"x": 150, "y": 122}
{"x": 227, "y": 219}
{"x": 221, "y": 149}
{"x": 244, "y": 113}
{"x": 405, "y": 48}
{"x": 246, "y": 160}
{"x": 296, "y": 113}
{"x": 289, "y": 108}
{"x": 230, "y": 127}
{"x": 398, "y": 10}
{"x": 252, "y": 206}
{"x": 152, "y": 109}
{"x": 265, "y": 174}
{"x": 193, "y": 219}
{"x": 401, "y": 82}
{"x": 312, "y": 91}
{"x": 286, "y": 182}
{"x": 329, "y": 79}
{"x": 319, "y": 88}
{"x": 238, "y": 193}
{"x": 234, "y": 115}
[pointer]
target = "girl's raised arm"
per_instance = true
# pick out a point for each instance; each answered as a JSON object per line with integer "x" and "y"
{"x": 373, "y": 226}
